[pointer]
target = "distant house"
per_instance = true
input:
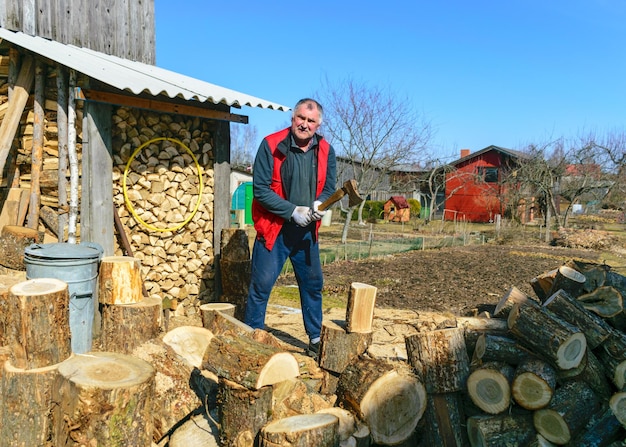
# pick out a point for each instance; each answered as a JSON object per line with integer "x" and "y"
{"x": 397, "y": 209}
{"x": 475, "y": 189}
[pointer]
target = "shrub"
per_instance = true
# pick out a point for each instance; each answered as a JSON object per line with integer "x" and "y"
{"x": 415, "y": 206}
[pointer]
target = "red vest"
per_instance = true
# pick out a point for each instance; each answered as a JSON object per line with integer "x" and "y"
{"x": 266, "y": 224}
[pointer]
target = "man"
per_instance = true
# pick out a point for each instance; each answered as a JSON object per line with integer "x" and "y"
{"x": 294, "y": 172}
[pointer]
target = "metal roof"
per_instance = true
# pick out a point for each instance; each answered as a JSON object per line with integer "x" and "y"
{"x": 134, "y": 77}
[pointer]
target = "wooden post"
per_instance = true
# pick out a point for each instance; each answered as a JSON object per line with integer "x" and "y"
{"x": 73, "y": 158}
{"x": 37, "y": 150}
{"x": 62, "y": 91}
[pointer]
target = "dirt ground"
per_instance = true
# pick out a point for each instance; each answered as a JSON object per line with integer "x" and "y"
{"x": 458, "y": 280}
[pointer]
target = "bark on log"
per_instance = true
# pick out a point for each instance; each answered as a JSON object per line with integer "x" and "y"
{"x": 542, "y": 284}
{"x": 567, "y": 414}
{"x": 126, "y": 326}
{"x": 513, "y": 295}
{"x": 569, "y": 280}
{"x": 338, "y": 348}
{"x": 223, "y": 323}
{"x": 496, "y": 348}
{"x": 440, "y": 359}
{"x": 360, "y": 307}
{"x": 445, "y": 420}
{"x": 248, "y": 362}
{"x": 489, "y": 387}
{"x": 104, "y": 398}
{"x": 605, "y": 301}
{"x": 612, "y": 356}
{"x": 242, "y": 413}
{"x": 563, "y": 305}
{"x": 207, "y": 311}
{"x": 303, "y": 430}
{"x": 561, "y": 343}
{"x": 500, "y": 430}
{"x": 602, "y": 429}
{"x": 617, "y": 403}
{"x": 27, "y": 404}
{"x": 347, "y": 421}
{"x": 235, "y": 268}
{"x": 234, "y": 244}
{"x": 38, "y": 333}
{"x": 474, "y": 327}
{"x": 533, "y": 385}
{"x": 13, "y": 241}
{"x": 119, "y": 280}
{"x": 293, "y": 396}
{"x": 592, "y": 372}
{"x": 595, "y": 274}
{"x": 388, "y": 397}
{"x": 6, "y": 282}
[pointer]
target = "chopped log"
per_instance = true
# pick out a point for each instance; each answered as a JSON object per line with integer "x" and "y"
{"x": 489, "y": 387}
{"x": 440, "y": 359}
{"x": 248, "y": 362}
{"x": 496, "y": 348}
{"x": 387, "y": 396}
{"x": 207, "y": 311}
{"x": 38, "y": 332}
{"x": 362, "y": 435}
{"x": 223, "y": 323}
{"x": 565, "y": 306}
{"x": 50, "y": 218}
{"x": 602, "y": 429}
{"x": 234, "y": 244}
{"x": 533, "y": 385}
{"x": 10, "y": 207}
{"x": 293, "y": 396}
{"x": 347, "y": 421}
{"x": 13, "y": 241}
{"x": 242, "y": 412}
{"x": 592, "y": 372}
{"x": 338, "y": 347}
{"x": 500, "y": 430}
{"x": 542, "y": 284}
{"x": 126, "y": 326}
{"x": 617, "y": 403}
{"x": 559, "y": 342}
{"x": 235, "y": 268}
{"x": 190, "y": 343}
{"x": 197, "y": 430}
{"x": 27, "y": 405}
{"x": 512, "y": 296}
{"x": 595, "y": 274}
{"x": 614, "y": 367}
{"x": 262, "y": 336}
{"x": 36, "y": 164}
{"x": 567, "y": 414}
{"x": 119, "y": 280}
{"x": 104, "y": 398}
{"x": 605, "y": 301}
{"x": 474, "y": 327}
{"x": 444, "y": 420}
{"x": 318, "y": 430}
{"x": 569, "y": 280}
{"x": 6, "y": 282}
{"x": 360, "y": 307}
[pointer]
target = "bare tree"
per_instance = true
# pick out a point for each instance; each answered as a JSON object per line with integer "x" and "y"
{"x": 243, "y": 145}
{"x": 375, "y": 130}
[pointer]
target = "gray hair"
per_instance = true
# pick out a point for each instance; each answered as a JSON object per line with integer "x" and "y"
{"x": 310, "y": 104}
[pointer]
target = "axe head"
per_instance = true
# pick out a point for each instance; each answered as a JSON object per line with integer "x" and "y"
{"x": 350, "y": 189}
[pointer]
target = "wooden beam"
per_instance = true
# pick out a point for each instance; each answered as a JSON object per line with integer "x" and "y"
{"x": 161, "y": 106}
{"x": 11, "y": 120}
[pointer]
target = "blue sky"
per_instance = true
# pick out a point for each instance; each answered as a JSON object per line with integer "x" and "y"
{"x": 497, "y": 72}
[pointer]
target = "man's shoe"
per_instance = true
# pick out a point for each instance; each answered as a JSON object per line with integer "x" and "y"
{"x": 313, "y": 349}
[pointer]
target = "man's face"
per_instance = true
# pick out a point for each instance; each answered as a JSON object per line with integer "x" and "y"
{"x": 305, "y": 121}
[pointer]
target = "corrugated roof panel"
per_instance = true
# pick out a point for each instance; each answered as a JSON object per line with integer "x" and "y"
{"x": 135, "y": 77}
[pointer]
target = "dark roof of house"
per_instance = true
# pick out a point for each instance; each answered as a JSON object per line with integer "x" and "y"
{"x": 399, "y": 201}
{"x": 510, "y": 152}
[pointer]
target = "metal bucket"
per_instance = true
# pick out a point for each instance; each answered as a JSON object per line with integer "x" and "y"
{"x": 77, "y": 265}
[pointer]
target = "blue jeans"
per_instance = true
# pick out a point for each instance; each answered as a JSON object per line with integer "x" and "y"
{"x": 297, "y": 244}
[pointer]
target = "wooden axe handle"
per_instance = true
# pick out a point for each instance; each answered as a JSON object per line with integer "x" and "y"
{"x": 336, "y": 197}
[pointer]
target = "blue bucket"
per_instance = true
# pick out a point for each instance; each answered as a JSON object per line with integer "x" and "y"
{"x": 77, "y": 265}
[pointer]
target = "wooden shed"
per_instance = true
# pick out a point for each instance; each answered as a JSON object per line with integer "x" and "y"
{"x": 98, "y": 145}
{"x": 397, "y": 209}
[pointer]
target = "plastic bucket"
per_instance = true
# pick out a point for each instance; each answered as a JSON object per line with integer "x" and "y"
{"x": 77, "y": 265}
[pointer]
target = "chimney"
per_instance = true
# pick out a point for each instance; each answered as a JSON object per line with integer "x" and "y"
{"x": 465, "y": 152}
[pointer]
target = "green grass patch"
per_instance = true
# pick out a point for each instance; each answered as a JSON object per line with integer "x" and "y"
{"x": 289, "y": 296}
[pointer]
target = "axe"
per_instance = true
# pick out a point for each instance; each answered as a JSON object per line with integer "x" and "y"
{"x": 349, "y": 189}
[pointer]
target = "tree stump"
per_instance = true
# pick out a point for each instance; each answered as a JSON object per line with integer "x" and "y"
{"x": 440, "y": 359}
{"x": 489, "y": 387}
{"x": 242, "y": 413}
{"x": 126, "y": 326}
{"x": 247, "y": 362}
{"x": 360, "y": 307}
{"x": 37, "y": 323}
{"x": 567, "y": 414}
{"x": 533, "y": 384}
{"x": 13, "y": 241}
{"x": 207, "y": 311}
{"x": 500, "y": 430}
{"x": 338, "y": 348}
{"x": 104, "y": 398}
{"x": 119, "y": 280}
{"x": 304, "y": 430}
{"x": 559, "y": 342}
{"x": 27, "y": 405}
{"x": 387, "y": 396}
{"x": 6, "y": 282}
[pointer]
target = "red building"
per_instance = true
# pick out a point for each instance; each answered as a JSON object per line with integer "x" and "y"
{"x": 475, "y": 189}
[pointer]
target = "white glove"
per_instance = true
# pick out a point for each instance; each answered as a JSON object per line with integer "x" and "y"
{"x": 302, "y": 215}
{"x": 317, "y": 214}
